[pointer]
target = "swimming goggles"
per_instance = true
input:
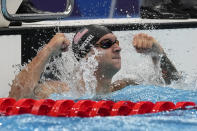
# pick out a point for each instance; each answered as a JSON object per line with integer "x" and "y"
{"x": 107, "y": 43}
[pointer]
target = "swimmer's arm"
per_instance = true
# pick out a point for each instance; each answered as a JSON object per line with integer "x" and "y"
{"x": 169, "y": 71}
{"x": 119, "y": 84}
{"x": 27, "y": 79}
{"x": 43, "y": 91}
{"x": 25, "y": 82}
{"x": 146, "y": 44}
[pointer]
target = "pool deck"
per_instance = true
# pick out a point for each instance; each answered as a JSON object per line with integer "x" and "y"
{"x": 118, "y": 24}
{"x": 117, "y": 21}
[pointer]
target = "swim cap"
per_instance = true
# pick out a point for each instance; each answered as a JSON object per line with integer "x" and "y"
{"x": 86, "y": 38}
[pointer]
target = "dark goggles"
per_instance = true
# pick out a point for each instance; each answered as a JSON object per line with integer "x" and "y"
{"x": 105, "y": 44}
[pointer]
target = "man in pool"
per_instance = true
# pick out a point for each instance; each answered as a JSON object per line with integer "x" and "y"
{"x": 85, "y": 43}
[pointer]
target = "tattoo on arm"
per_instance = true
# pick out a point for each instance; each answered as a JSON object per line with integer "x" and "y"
{"x": 169, "y": 71}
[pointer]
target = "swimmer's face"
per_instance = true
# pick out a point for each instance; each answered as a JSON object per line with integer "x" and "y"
{"x": 108, "y": 53}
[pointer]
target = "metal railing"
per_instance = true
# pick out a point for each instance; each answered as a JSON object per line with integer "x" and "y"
{"x": 37, "y": 17}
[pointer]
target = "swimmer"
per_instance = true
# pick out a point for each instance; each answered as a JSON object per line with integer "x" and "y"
{"x": 26, "y": 84}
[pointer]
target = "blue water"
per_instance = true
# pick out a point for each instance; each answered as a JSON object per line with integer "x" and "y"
{"x": 172, "y": 121}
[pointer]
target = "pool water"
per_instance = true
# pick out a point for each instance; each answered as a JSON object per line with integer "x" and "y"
{"x": 173, "y": 120}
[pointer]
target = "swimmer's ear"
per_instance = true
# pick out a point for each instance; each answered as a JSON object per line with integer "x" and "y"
{"x": 90, "y": 54}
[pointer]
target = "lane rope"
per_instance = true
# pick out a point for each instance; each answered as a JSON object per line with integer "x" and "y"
{"x": 87, "y": 108}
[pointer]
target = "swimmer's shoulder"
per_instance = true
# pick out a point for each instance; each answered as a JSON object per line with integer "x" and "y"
{"x": 44, "y": 90}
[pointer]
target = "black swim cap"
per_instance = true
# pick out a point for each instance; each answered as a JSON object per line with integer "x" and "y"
{"x": 86, "y": 38}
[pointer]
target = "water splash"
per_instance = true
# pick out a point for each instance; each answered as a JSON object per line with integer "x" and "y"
{"x": 88, "y": 68}
{"x": 187, "y": 82}
{"x": 66, "y": 69}
{"x": 76, "y": 73}
{"x": 134, "y": 65}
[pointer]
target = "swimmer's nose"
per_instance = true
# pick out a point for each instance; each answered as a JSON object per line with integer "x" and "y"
{"x": 116, "y": 48}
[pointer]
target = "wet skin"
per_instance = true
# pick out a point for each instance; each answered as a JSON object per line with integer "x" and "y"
{"x": 109, "y": 60}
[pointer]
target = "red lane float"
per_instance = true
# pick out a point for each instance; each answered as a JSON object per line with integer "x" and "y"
{"x": 142, "y": 107}
{"x": 101, "y": 108}
{"x": 5, "y": 105}
{"x": 183, "y": 105}
{"x": 82, "y": 108}
{"x": 61, "y": 108}
{"x": 122, "y": 108}
{"x": 42, "y": 107}
{"x": 22, "y": 106}
{"x": 87, "y": 108}
{"x": 163, "y": 106}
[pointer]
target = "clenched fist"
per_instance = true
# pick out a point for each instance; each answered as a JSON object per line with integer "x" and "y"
{"x": 144, "y": 43}
{"x": 59, "y": 43}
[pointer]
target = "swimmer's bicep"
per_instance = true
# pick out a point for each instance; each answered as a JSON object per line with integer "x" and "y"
{"x": 44, "y": 90}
